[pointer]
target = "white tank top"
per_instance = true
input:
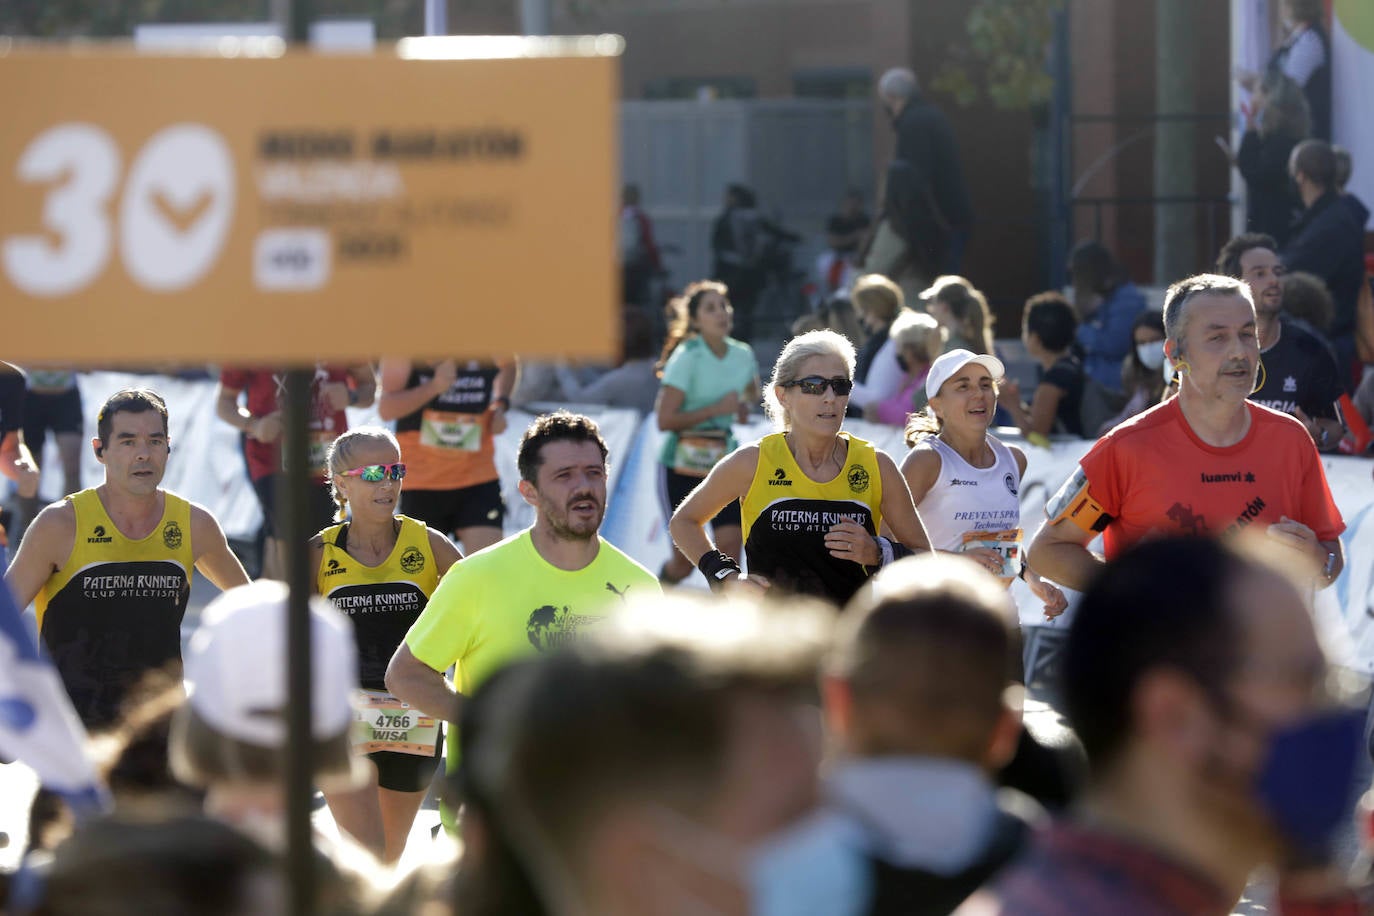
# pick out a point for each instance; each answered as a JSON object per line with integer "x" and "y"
{"x": 966, "y": 498}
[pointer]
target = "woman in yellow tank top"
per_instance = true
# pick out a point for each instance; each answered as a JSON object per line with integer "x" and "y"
{"x": 812, "y": 496}
{"x": 379, "y": 568}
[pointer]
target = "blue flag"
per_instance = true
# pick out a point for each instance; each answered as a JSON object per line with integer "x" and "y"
{"x": 38, "y": 725}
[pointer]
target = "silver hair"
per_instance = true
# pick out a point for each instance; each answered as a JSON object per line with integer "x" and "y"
{"x": 1184, "y": 291}
{"x": 340, "y": 451}
{"x": 797, "y": 351}
{"x": 898, "y": 83}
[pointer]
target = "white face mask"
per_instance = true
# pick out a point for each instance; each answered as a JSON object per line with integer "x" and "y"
{"x": 1151, "y": 354}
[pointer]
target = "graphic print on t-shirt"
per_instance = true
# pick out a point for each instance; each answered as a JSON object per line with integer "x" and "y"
{"x": 551, "y": 627}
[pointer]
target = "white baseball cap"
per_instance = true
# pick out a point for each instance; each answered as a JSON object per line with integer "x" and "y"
{"x": 236, "y": 666}
{"x": 947, "y": 365}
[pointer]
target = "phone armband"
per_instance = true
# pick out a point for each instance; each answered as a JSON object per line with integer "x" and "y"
{"x": 1074, "y": 503}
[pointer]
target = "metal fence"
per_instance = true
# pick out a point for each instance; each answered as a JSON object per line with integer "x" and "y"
{"x": 799, "y": 155}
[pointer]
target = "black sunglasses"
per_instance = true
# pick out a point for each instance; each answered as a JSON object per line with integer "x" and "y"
{"x": 815, "y": 384}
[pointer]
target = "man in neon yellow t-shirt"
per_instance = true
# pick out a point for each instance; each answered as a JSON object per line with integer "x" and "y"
{"x": 532, "y": 592}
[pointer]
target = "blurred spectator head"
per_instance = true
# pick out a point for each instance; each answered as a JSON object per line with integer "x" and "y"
{"x": 896, "y": 87}
{"x": 877, "y": 300}
{"x": 1180, "y": 296}
{"x": 740, "y": 195}
{"x": 1254, "y": 258}
{"x": 1229, "y": 261}
{"x": 648, "y": 768}
{"x": 787, "y": 368}
{"x": 923, "y": 664}
{"x": 132, "y": 754}
{"x": 128, "y": 400}
{"x": 231, "y": 732}
{"x": 1285, "y": 110}
{"x": 959, "y": 306}
{"x": 629, "y": 195}
{"x": 1306, "y": 297}
{"x": 1193, "y": 677}
{"x": 917, "y": 337}
{"x": 1050, "y": 321}
{"x": 1305, "y": 12}
{"x": 1093, "y": 270}
{"x": 1147, "y": 335}
{"x": 1344, "y": 166}
{"x": 490, "y": 879}
{"x": 1313, "y": 163}
{"x": 559, "y": 426}
{"x": 178, "y": 867}
{"x": 835, "y": 314}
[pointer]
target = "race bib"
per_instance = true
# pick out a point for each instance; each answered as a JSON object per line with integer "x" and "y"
{"x": 697, "y": 453}
{"x": 383, "y": 723}
{"x": 461, "y": 432}
{"x": 320, "y": 440}
{"x": 1007, "y": 543}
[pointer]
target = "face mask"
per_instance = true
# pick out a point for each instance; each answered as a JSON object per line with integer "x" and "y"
{"x": 1307, "y": 779}
{"x": 1151, "y": 354}
{"x": 1306, "y": 775}
{"x": 804, "y": 870}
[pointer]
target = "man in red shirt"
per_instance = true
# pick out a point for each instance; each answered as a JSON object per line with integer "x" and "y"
{"x": 1207, "y": 462}
{"x": 259, "y": 419}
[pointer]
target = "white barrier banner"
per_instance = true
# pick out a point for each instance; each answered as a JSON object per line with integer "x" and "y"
{"x": 206, "y": 465}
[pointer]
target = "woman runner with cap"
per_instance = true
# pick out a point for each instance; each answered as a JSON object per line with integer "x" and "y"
{"x": 379, "y": 568}
{"x": 966, "y": 482}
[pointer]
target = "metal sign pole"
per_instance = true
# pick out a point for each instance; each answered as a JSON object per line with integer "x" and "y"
{"x": 292, "y": 509}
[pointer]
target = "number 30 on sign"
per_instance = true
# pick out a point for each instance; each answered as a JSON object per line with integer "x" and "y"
{"x": 174, "y": 213}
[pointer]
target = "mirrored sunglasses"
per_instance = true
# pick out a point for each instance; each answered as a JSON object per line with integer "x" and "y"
{"x": 375, "y": 472}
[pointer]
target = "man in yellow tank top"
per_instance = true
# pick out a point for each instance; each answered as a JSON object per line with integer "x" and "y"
{"x": 110, "y": 567}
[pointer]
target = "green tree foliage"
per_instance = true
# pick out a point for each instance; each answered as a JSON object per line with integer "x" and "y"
{"x": 1005, "y": 56}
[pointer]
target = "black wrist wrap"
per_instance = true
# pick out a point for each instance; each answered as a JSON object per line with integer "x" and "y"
{"x": 715, "y": 566}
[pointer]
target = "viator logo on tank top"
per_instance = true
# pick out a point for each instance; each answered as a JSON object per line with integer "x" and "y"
{"x": 98, "y": 536}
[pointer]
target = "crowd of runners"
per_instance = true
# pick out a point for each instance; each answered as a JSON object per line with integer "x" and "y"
{"x": 613, "y": 747}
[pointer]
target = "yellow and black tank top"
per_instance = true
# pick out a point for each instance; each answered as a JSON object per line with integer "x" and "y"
{"x": 114, "y": 610}
{"x": 383, "y": 600}
{"x": 786, "y": 514}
